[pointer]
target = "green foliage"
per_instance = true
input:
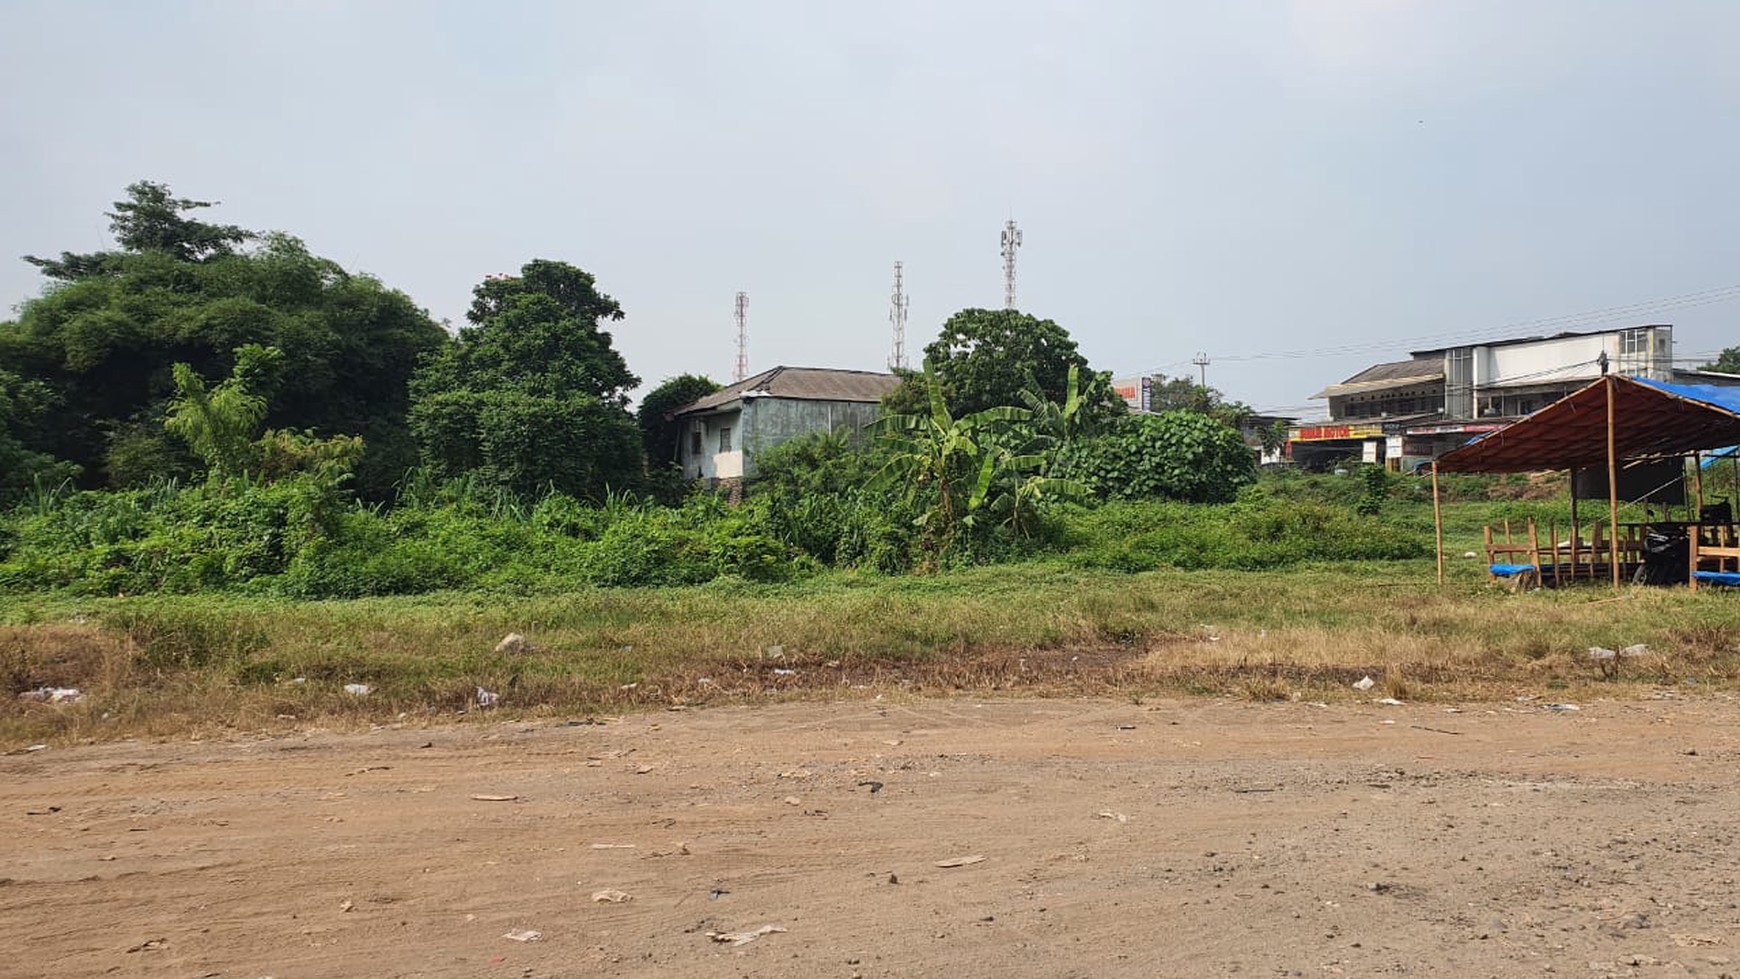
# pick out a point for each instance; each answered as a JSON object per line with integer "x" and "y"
{"x": 1376, "y": 481}
{"x": 102, "y": 342}
{"x": 1728, "y": 361}
{"x": 1179, "y": 455}
{"x": 150, "y": 220}
{"x": 21, "y": 407}
{"x": 1256, "y": 533}
{"x": 985, "y": 358}
{"x": 659, "y": 434}
{"x": 532, "y": 396}
{"x": 975, "y": 473}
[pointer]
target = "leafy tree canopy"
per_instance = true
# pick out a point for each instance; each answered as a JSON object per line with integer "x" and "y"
{"x": 659, "y": 434}
{"x": 103, "y": 340}
{"x": 541, "y": 329}
{"x": 151, "y": 219}
{"x": 985, "y": 358}
{"x": 532, "y": 395}
{"x": 1183, "y": 394}
{"x": 1728, "y": 362}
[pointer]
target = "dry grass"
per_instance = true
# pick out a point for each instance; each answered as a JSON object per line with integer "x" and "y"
{"x": 174, "y": 666}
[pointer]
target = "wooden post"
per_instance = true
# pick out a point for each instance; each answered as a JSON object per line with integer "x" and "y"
{"x": 1437, "y": 522}
{"x": 1698, "y": 485}
{"x": 1612, "y": 485}
{"x": 1575, "y": 533}
{"x": 1553, "y": 542}
{"x": 1692, "y": 560}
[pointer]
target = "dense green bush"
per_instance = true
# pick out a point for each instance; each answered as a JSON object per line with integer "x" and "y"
{"x": 1178, "y": 455}
{"x": 1254, "y": 534}
{"x": 304, "y": 539}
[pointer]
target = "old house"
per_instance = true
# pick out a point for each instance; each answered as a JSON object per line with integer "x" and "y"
{"x": 722, "y": 433}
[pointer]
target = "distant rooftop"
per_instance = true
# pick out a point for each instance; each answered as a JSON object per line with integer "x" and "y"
{"x": 1535, "y": 339}
{"x": 1381, "y": 377}
{"x": 802, "y": 384}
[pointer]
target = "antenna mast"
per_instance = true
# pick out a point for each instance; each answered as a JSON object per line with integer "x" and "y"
{"x": 742, "y": 370}
{"x": 897, "y": 303}
{"x": 1201, "y": 362}
{"x": 1011, "y": 241}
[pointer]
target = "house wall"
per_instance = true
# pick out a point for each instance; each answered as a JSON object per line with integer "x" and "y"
{"x": 759, "y": 425}
{"x": 1573, "y": 359}
{"x": 769, "y": 421}
{"x": 710, "y": 463}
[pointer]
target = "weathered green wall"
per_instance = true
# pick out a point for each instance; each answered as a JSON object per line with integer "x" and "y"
{"x": 769, "y": 421}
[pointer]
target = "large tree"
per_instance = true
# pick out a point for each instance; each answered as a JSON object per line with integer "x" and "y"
{"x": 532, "y": 394}
{"x": 985, "y": 358}
{"x": 102, "y": 341}
{"x": 659, "y": 433}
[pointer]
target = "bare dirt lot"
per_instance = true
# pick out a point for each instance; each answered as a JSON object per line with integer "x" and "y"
{"x": 1105, "y": 839}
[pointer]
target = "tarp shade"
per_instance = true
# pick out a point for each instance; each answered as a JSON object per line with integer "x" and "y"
{"x": 1651, "y": 419}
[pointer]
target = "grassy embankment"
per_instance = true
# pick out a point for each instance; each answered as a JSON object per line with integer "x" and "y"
{"x": 171, "y": 665}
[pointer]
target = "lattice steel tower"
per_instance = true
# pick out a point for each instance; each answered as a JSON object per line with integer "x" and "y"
{"x": 897, "y": 303}
{"x": 1011, "y": 241}
{"x": 742, "y": 370}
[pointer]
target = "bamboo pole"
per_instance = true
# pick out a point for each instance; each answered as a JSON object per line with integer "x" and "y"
{"x": 1437, "y": 522}
{"x": 1698, "y": 484}
{"x": 1575, "y": 534}
{"x": 1612, "y": 486}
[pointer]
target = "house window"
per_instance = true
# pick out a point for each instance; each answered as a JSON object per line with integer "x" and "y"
{"x": 1633, "y": 342}
{"x": 725, "y": 438}
{"x": 695, "y": 443}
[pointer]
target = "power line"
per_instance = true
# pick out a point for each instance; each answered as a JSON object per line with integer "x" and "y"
{"x": 1706, "y": 297}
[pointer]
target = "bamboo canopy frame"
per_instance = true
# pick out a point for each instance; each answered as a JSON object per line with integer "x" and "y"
{"x": 1612, "y": 421}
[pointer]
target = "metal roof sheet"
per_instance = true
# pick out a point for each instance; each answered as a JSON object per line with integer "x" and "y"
{"x": 1651, "y": 419}
{"x": 802, "y": 384}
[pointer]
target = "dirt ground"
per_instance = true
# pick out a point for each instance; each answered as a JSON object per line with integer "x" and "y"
{"x": 1106, "y": 839}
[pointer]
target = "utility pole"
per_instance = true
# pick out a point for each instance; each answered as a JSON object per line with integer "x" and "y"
{"x": 742, "y": 370}
{"x": 1011, "y": 241}
{"x": 897, "y": 304}
{"x": 1201, "y": 362}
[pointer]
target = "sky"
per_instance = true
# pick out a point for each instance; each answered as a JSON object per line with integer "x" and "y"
{"x": 1295, "y": 188}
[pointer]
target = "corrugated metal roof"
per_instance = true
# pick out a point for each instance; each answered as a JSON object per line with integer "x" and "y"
{"x": 801, "y": 384}
{"x": 1381, "y": 377}
{"x": 1651, "y": 419}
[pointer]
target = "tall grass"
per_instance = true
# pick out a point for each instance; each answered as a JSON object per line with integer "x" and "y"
{"x": 167, "y": 664}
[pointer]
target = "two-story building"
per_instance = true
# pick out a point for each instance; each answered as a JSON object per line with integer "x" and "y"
{"x": 1409, "y": 411}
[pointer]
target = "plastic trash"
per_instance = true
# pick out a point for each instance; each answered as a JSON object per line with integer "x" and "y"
{"x": 1561, "y": 708}
{"x": 513, "y": 644}
{"x": 487, "y": 699}
{"x": 524, "y": 935}
{"x": 611, "y": 896}
{"x": 358, "y": 689}
{"x": 1601, "y": 652}
{"x": 1364, "y": 683}
{"x": 1388, "y": 701}
{"x": 1636, "y": 649}
{"x": 961, "y": 861}
{"x": 744, "y": 937}
{"x": 53, "y": 695}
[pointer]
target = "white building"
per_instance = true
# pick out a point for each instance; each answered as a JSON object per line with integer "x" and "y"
{"x": 1408, "y": 411}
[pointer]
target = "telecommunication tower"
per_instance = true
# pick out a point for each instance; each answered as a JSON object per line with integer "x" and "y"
{"x": 742, "y": 370}
{"x": 1011, "y": 241}
{"x": 897, "y": 303}
{"x": 1201, "y": 362}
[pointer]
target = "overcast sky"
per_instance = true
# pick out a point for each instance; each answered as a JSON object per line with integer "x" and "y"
{"x": 1337, "y": 180}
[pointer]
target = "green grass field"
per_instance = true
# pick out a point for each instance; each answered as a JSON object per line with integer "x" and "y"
{"x": 177, "y": 665}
